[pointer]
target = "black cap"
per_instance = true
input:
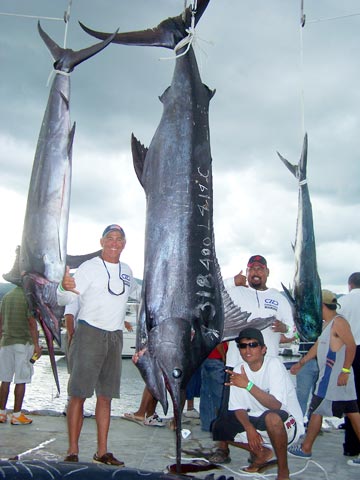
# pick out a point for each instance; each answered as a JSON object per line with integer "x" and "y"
{"x": 257, "y": 259}
{"x": 250, "y": 332}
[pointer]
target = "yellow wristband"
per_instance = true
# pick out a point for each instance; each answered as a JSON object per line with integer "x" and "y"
{"x": 249, "y": 386}
{"x": 346, "y": 370}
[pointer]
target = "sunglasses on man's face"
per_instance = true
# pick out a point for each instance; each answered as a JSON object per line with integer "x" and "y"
{"x": 250, "y": 345}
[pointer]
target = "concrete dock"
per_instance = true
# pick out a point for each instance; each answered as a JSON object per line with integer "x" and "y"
{"x": 153, "y": 448}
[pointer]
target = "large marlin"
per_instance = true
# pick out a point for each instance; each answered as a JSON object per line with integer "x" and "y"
{"x": 43, "y": 247}
{"x": 306, "y": 294}
{"x": 182, "y": 309}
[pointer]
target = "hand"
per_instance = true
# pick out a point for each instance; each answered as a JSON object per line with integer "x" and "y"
{"x": 68, "y": 282}
{"x": 279, "y": 326}
{"x": 255, "y": 440}
{"x": 240, "y": 279}
{"x": 295, "y": 368}
{"x": 128, "y": 326}
{"x": 342, "y": 379}
{"x": 237, "y": 379}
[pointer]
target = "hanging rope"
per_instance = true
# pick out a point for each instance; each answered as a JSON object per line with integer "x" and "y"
{"x": 189, "y": 39}
{"x": 30, "y": 16}
{"x": 66, "y": 20}
{"x": 302, "y": 94}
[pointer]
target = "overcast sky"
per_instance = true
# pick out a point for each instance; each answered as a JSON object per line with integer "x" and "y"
{"x": 272, "y": 80}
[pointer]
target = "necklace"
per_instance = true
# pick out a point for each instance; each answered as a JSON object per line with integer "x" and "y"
{"x": 109, "y": 278}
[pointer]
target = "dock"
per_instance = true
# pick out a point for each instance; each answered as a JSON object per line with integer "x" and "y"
{"x": 153, "y": 449}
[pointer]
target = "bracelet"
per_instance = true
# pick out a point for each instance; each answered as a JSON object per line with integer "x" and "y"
{"x": 345, "y": 370}
{"x": 249, "y": 386}
{"x": 61, "y": 288}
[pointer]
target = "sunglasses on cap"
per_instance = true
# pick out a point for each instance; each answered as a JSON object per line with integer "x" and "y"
{"x": 250, "y": 345}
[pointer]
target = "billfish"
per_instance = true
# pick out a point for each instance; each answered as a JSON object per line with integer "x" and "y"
{"x": 306, "y": 292}
{"x": 44, "y": 240}
{"x": 182, "y": 308}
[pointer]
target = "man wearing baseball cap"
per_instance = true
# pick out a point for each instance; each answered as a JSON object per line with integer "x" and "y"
{"x": 252, "y": 295}
{"x": 264, "y": 415}
{"x": 335, "y": 393}
{"x": 103, "y": 286}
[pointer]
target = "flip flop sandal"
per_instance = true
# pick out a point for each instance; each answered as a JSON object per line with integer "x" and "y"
{"x": 260, "y": 467}
{"x": 132, "y": 418}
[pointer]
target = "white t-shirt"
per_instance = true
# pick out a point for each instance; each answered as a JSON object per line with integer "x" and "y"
{"x": 97, "y": 306}
{"x": 350, "y": 309}
{"x": 261, "y": 303}
{"x": 273, "y": 378}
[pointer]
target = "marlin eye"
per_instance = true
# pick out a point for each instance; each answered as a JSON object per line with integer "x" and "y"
{"x": 177, "y": 373}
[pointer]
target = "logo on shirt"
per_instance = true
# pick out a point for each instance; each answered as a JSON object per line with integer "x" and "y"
{"x": 271, "y": 304}
{"x": 126, "y": 279}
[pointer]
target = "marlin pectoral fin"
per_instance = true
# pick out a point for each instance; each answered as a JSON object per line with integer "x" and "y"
{"x": 288, "y": 295}
{"x": 139, "y": 153}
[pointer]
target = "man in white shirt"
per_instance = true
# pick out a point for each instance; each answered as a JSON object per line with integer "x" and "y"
{"x": 251, "y": 293}
{"x": 263, "y": 413}
{"x": 350, "y": 308}
{"x": 103, "y": 286}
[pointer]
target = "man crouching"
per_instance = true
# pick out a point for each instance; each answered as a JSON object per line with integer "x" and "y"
{"x": 263, "y": 415}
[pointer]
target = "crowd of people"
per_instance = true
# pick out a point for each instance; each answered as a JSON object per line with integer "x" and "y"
{"x": 247, "y": 397}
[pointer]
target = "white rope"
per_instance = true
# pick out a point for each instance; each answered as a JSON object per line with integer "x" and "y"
{"x": 55, "y": 72}
{"x": 66, "y": 20}
{"x": 317, "y": 20}
{"x": 31, "y": 16}
{"x": 303, "y": 182}
{"x": 302, "y": 93}
{"x": 189, "y": 39}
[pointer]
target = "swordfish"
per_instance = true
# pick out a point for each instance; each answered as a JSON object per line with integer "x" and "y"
{"x": 182, "y": 308}
{"x": 44, "y": 240}
{"x": 306, "y": 295}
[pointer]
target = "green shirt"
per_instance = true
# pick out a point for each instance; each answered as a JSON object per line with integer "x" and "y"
{"x": 15, "y": 318}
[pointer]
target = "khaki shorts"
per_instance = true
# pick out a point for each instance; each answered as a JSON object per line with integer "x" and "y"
{"x": 95, "y": 362}
{"x": 15, "y": 363}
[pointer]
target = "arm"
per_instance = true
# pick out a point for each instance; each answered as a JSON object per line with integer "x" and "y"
{"x": 342, "y": 331}
{"x": 254, "y": 438}
{"x": 34, "y": 336}
{"x": 312, "y": 353}
{"x": 285, "y": 323}
{"x": 70, "y": 326}
{"x": 66, "y": 292}
{"x": 241, "y": 380}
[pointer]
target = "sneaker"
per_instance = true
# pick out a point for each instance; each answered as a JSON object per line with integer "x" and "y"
{"x": 154, "y": 421}
{"x": 297, "y": 451}
{"x": 355, "y": 462}
{"x": 20, "y": 420}
{"x": 108, "y": 459}
{"x": 3, "y": 418}
{"x": 87, "y": 414}
{"x": 191, "y": 413}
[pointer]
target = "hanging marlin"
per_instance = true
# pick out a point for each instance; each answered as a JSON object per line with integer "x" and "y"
{"x": 182, "y": 308}
{"x": 43, "y": 247}
{"x": 306, "y": 294}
